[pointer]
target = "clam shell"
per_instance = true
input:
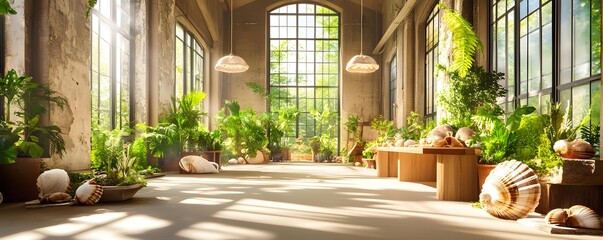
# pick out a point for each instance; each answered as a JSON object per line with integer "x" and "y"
{"x": 89, "y": 193}
{"x": 233, "y": 161}
{"x": 57, "y": 197}
{"x": 557, "y": 216}
{"x": 439, "y": 132}
{"x": 464, "y": 134}
{"x": 197, "y": 164}
{"x": 51, "y": 181}
{"x": 409, "y": 143}
{"x": 399, "y": 143}
{"x": 583, "y": 217}
{"x": 581, "y": 149}
{"x": 511, "y": 191}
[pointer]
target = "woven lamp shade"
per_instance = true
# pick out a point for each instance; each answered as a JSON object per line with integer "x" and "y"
{"x": 362, "y": 64}
{"x": 231, "y": 64}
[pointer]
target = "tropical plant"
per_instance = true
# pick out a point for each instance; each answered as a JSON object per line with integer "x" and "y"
{"x": 592, "y": 135}
{"x": 561, "y": 125}
{"x": 415, "y": 124}
{"x": 463, "y": 95}
{"x": 546, "y": 159}
{"x": 383, "y": 127}
{"x": 242, "y": 129}
{"x": 498, "y": 137}
{"x": 5, "y": 8}
{"x": 110, "y": 156}
{"x": 325, "y": 125}
{"x": 528, "y": 136}
{"x": 352, "y": 126}
{"x": 464, "y": 39}
{"x": 8, "y": 149}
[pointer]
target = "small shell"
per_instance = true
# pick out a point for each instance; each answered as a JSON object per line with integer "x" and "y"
{"x": 454, "y": 142}
{"x": 197, "y": 164}
{"x": 464, "y": 134}
{"x": 409, "y": 143}
{"x": 581, "y": 149}
{"x": 51, "y": 181}
{"x": 89, "y": 193}
{"x": 583, "y": 217}
{"x": 557, "y": 216}
{"x": 562, "y": 147}
{"x": 440, "y": 143}
{"x": 399, "y": 143}
{"x": 233, "y": 161}
{"x": 241, "y": 160}
{"x": 439, "y": 132}
{"x": 57, "y": 197}
{"x": 511, "y": 191}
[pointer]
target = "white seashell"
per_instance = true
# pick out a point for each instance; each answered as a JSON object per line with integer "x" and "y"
{"x": 557, "y": 216}
{"x": 464, "y": 134}
{"x": 197, "y": 164}
{"x": 399, "y": 143}
{"x": 241, "y": 160}
{"x": 511, "y": 191}
{"x": 57, "y": 197}
{"x": 258, "y": 158}
{"x": 409, "y": 143}
{"x": 439, "y": 132}
{"x": 51, "y": 181}
{"x": 562, "y": 147}
{"x": 233, "y": 161}
{"x": 583, "y": 217}
{"x": 89, "y": 193}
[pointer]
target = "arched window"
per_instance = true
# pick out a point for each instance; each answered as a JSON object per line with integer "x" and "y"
{"x": 304, "y": 63}
{"x": 190, "y": 58}
{"x": 432, "y": 54}
{"x": 112, "y": 67}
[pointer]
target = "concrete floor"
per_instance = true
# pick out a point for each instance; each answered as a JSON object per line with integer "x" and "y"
{"x": 275, "y": 201}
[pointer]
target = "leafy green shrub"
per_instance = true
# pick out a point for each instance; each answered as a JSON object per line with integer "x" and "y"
{"x": 528, "y": 136}
{"x": 242, "y": 129}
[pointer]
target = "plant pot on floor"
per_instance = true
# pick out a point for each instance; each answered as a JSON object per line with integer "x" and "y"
{"x": 483, "y": 170}
{"x": 119, "y": 193}
{"x": 18, "y": 180}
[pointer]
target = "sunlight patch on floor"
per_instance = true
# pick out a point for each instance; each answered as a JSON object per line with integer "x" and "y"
{"x": 205, "y": 201}
{"x": 218, "y": 231}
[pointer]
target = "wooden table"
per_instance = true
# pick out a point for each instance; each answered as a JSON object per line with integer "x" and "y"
{"x": 453, "y": 169}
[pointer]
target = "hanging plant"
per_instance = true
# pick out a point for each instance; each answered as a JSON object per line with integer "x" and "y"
{"x": 464, "y": 39}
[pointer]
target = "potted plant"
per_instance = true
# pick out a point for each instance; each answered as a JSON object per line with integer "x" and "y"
{"x": 210, "y": 144}
{"x": 323, "y": 142}
{"x": 244, "y": 134}
{"x": 22, "y": 140}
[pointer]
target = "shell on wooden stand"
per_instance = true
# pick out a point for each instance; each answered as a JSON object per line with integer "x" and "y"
{"x": 88, "y": 193}
{"x": 511, "y": 191}
{"x": 577, "y": 149}
{"x": 439, "y": 132}
{"x": 51, "y": 181}
{"x": 557, "y": 216}
{"x": 583, "y": 217}
{"x": 464, "y": 134}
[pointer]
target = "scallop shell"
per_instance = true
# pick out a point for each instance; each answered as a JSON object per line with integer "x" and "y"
{"x": 57, "y": 197}
{"x": 464, "y": 134}
{"x": 557, "y": 216}
{"x": 51, "y": 181}
{"x": 233, "y": 161}
{"x": 583, "y": 217}
{"x": 409, "y": 143}
{"x": 439, "y": 132}
{"x": 197, "y": 164}
{"x": 511, "y": 191}
{"x": 89, "y": 193}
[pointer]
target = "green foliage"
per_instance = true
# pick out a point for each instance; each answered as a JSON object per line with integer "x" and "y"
{"x": 592, "y": 135}
{"x": 498, "y": 138}
{"x": 546, "y": 159}
{"x": 138, "y": 151}
{"x": 209, "y": 141}
{"x": 77, "y": 179}
{"x": 325, "y": 125}
{"x": 91, "y": 4}
{"x": 463, "y": 95}
{"x": 561, "y": 126}
{"x": 5, "y": 8}
{"x": 465, "y": 40}
{"x": 8, "y": 149}
{"x": 382, "y": 126}
{"x": 110, "y": 155}
{"x": 415, "y": 125}
{"x": 527, "y": 143}
{"x": 242, "y": 129}
{"x": 369, "y": 150}
{"x": 257, "y": 88}
{"x": 351, "y": 125}
{"x": 107, "y": 148}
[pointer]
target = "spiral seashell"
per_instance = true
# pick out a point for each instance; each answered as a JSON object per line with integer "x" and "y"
{"x": 51, "y": 181}
{"x": 557, "y": 216}
{"x": 57, "y": 197}
{"x": 511, "y": 191}
{"x": 89, "y": 193}
{"x": 233, "y": 161}
{"x": 409, "y": 143}
{"x": 583, "y": 217}
{"x": 440, "y": 132}
{"x": 464, "y": 134}
{"x": 197, "y": 164}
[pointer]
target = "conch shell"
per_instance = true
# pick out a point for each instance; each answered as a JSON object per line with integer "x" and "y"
{"x": 57, "y": 197}
{"x": 557, "y": 216}
{"x": 577, "y": 149}
{"x": 583, "y": 217}
{"x": 51, "y": 181}
{"x": 89, "y": 193}
{"x": 511, "y": 191}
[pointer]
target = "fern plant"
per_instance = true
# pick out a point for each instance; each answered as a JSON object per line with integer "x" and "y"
{"x": 464, "y": 39}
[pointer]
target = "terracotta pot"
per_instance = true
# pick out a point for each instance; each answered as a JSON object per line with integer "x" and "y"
{"x": 483, "y": 170}
{"x": 18, "y": 180}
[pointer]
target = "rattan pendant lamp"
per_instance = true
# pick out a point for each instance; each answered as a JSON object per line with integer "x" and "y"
{"x": 362, "y": 63}
{"x": 231, "y": 63}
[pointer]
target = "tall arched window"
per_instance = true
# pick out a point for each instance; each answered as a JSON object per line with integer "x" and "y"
{"x": 304, "y": 63}
{"x": 111, "y": 72}
{"x": 190, "y": 58}
{"x": 432, "y": 54}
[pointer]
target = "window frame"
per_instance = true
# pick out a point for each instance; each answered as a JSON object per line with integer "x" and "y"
{"x": 431, "y": 75}
{"x": 189, "y": 52}
{"x": 393, "y": 88}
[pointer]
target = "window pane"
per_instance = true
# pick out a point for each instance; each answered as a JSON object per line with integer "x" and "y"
{"x": 596, "y": 37}
{"x": 582, "y": 40}
{"x": 580, "y": 103}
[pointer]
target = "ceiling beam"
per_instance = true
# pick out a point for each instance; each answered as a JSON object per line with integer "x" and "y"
{"x": 406, "y": 9}
{"x": 212, "y": 26}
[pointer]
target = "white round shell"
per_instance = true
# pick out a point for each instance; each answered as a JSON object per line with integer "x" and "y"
{"x": 51, "y": 181}
{"x": 197, "y": 164}
{"x": 233, "y": 161}
{"x": 88, "y": 194}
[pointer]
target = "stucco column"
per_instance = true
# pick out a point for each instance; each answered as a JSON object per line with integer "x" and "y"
{"x": 408, "y": 68}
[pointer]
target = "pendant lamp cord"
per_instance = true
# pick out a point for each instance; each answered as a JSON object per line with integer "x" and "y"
{"x": 361, "y": 23}
{"x": 231, "y": 24}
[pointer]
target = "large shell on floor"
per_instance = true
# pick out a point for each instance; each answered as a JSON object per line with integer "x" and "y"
{"x": 51, "y": 181}
{"x": 577, "y": 149}
{"x": 583, "y": 217}
{"x": 440, "y": 132}
{"x": 57, "y": 197}
{"x": 197, "y": 164}
{"x": 89, "y": 193}
{"x": 464, "y": 134}
{"x": 557, "y": 216}
{"x": 511, "y": 191}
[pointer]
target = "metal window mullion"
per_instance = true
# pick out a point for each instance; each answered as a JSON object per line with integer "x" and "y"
{"x": 113, "y": 71}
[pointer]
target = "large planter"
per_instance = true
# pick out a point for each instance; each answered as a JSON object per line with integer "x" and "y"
{"x": 18, "y": 180}
{"x": 119, "y": 193}
{"x": 483, "y": 170}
